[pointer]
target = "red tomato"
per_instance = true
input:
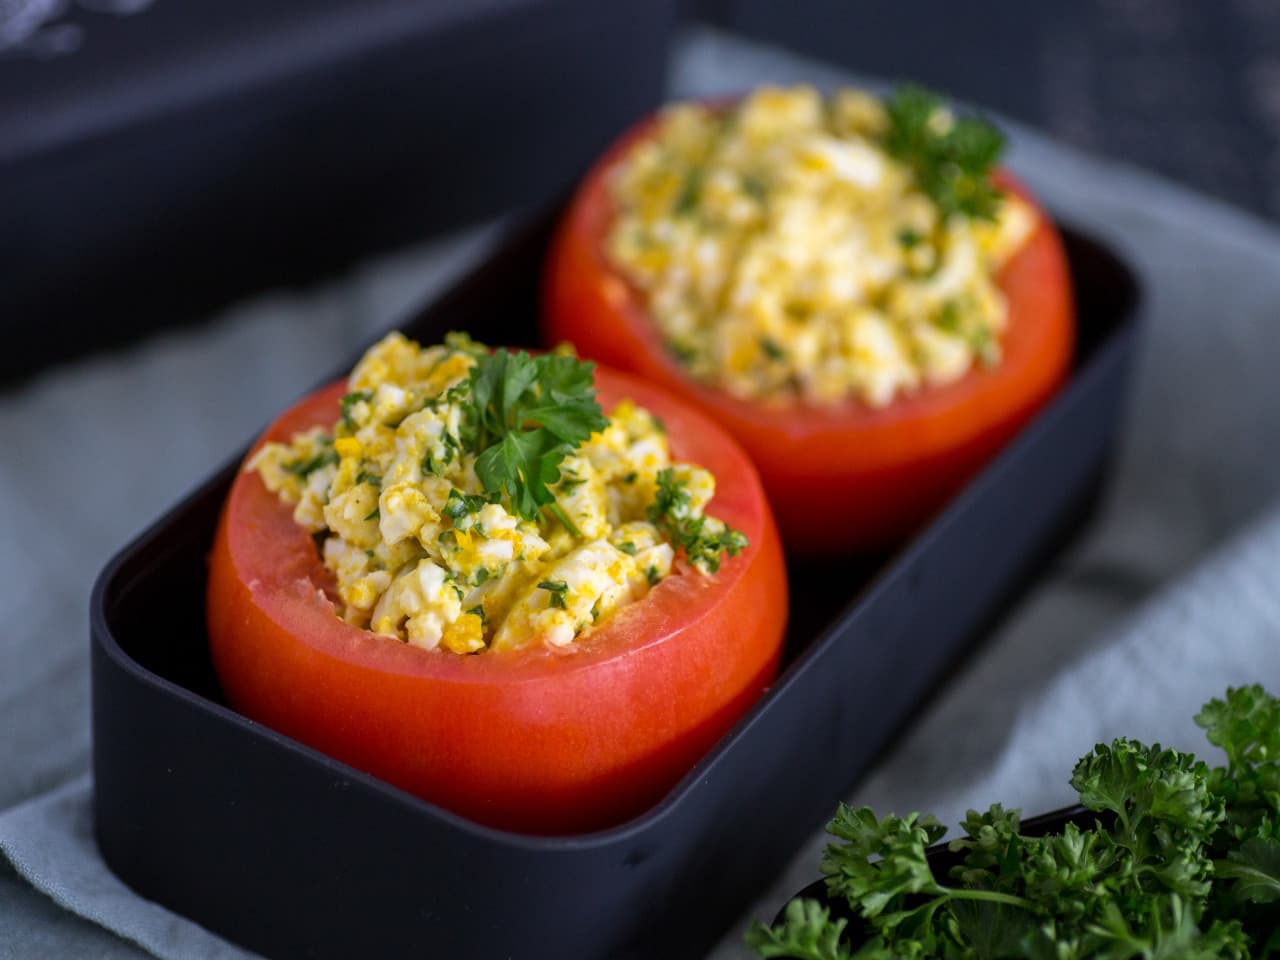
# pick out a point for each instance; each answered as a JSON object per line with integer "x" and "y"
{"x": 540, "y": 740}
{"x": 846, "y": 476}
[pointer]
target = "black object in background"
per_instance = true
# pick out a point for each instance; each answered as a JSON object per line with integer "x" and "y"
{"x": 1188, "y": 88}
{"x": 156, "y": 165}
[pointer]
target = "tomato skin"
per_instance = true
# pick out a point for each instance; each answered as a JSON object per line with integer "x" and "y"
{"x": 539, "y": 740}
{"x": 844, "y": 477}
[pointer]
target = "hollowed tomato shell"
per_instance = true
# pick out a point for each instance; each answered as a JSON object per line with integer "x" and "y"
{"x": 843, "y": 477}
{"x": 541, "y": 740}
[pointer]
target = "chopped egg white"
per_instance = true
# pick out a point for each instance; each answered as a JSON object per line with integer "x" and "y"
{"x": 785, "y": 254}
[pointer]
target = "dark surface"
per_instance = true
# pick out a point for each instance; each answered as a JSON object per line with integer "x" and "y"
{"x": 203, "y": 150}
{"x": 290, "y": 853}
{"x": 1189, "y": 88}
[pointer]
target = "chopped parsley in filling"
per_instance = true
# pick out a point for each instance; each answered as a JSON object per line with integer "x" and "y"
{"x": 796, "y": 247}
{"x": 475, "y": 500}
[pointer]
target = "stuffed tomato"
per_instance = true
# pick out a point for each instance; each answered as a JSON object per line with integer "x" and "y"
{"x": 457, "y": 572}
{"x": 847, "y": 284}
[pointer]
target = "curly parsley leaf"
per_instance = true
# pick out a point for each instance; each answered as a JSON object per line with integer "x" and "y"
{"x": 1246, "y": 725}
{"x": 1138, "y": 782}
{"x": 1180, "y": 862}
{"x": 1255, "y": 868}
{"x": 991, "y": 929}
{"x": 880, "y": 860}
{"x": 950, "y": 158}
{"x": 526, "y": 414}
{"x": 807, "y": 932}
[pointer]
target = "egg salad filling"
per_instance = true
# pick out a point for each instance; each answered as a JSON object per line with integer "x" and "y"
{"x": 796, "y": 246}
{"x": 476, "y": 500}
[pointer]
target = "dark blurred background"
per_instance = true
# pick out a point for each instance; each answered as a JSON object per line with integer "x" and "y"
{"x": 162, "y": 158}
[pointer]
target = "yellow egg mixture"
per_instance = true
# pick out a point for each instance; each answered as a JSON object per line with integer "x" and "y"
{"x": 423, "y": 552}
{"x": 784, "y": 253}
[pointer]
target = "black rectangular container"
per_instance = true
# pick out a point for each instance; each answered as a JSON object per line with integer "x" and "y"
{"x": 290, "y": 853}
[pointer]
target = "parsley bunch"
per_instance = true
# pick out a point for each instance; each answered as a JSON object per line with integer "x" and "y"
{"x": 951, "y": 160}
{"x": 1178, "y": 861}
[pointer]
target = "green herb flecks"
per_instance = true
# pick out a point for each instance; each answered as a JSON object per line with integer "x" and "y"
{"x": 755, "y": 187}
{"x": 558, "y": 590}
{"x": 460, "y": 505}
{"x": 704, "y": 540}
{"x": 434, "y": 463}
{"x": 910, "y": 238}
{"x": 948, "y": 318}
{"x": 690, "y": 190}
{"x": 324, "y": 457}
{"x": 682, "y": 352}
{"x": 348, "y": 404}
{"x": 772, "y": 349}
{"x": 951, "y": 161}
{"x": 570, "y": 482}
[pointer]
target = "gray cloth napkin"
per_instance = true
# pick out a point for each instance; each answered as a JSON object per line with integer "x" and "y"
{"x": 1064, "y": 670}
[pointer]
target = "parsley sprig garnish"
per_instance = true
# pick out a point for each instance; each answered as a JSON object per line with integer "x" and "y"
{"x": 525, "y": 415}
{"x": 951, "y": 161}
{"x": 1179, "y": 860}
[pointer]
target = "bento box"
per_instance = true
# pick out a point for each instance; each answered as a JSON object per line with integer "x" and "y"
{"x": 293, "y": 854}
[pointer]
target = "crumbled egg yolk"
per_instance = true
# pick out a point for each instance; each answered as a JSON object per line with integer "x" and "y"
{"x": 420, "y": 552}
{"x": 783, "y": 253}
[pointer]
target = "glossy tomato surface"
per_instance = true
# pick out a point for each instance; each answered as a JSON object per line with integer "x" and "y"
{"x": 843, "y": 477}
{"x": 542, "y": 740}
